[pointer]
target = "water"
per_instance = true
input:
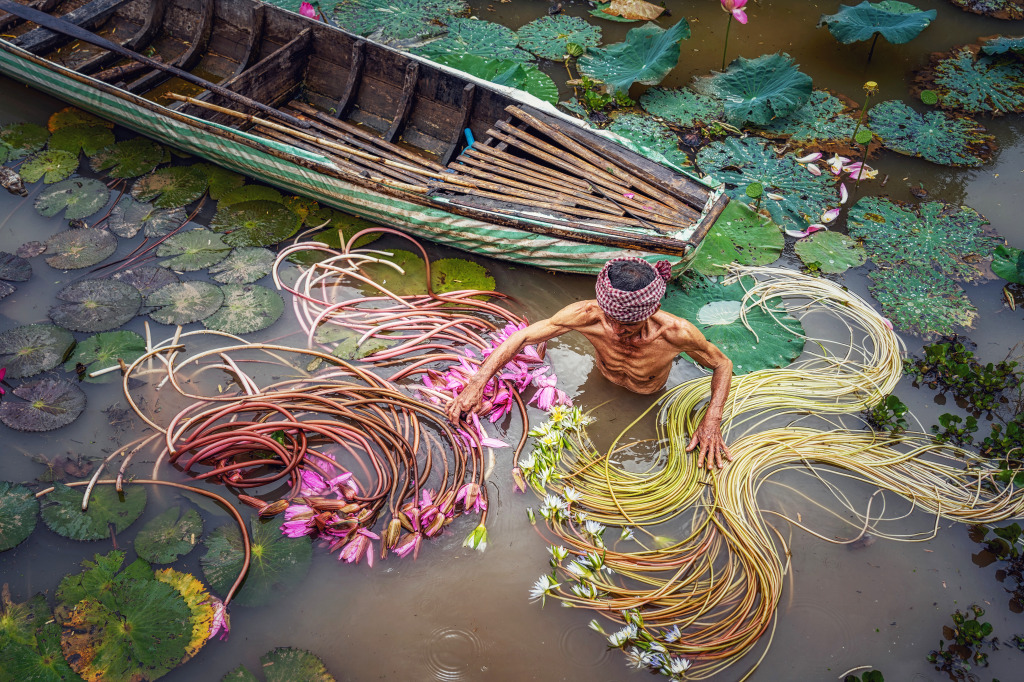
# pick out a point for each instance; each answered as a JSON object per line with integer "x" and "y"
{"x": 456, "y": 614}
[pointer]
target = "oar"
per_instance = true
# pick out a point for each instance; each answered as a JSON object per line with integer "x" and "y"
{"x": 69, "y": 29}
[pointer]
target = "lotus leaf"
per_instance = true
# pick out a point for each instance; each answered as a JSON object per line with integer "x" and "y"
{"x": 128, "y": 159}
{"x": 410, "y": 282}
{"x": 278, "y": 562}
{"x": 33, "y": 348}
{"x": 823, "y": 123}
{"x": 30, "y": 643}
{"x": 240, "y": 674}
{"x": 740, "y": 235}
{"x": 897, "y": 22}
{"x": 652, "y": 138}
{"x": 760, "y": 90}
{"x": 1008, "y": 263}
{"x": 169, "y": 536}
{"x": 5, "y": 152}
{"x": 247, "y": 308}
{"x": 830, "y": 252}
{"x": 740, "y": 162}
{"x": 185, "y": 302}
{"x": 936, "y": 136}
{"x": 514, "y": 74}
{"x": 245, "y": 265}
{"x": 171, "y": 187}
{"x": 6, "y": 290}
{"x": 1003, "y": 44}
{"x": 49, "y": 404}
{"x": 918, "y": 299}
{"x": 776, "y": 340}
{"x": 685, "y": 107}
{"x": 104, "y": 350}
{"x": 933, "y": 234}
{"x": 479, "y": 38}
{"x": 998, "y": 9}
{"x": 98, "y": 577}
{"x": 250, "y": 193}
{"x": 77, "y": 197}
{"x": 968, "y": 83}
{"x": 285, "y": 664}
{"x": 22, "y": 139}
{"x": 52, "y": 165}
{"x": 547, "y": 36}
{"x": 62, "y": 509}
{"x": 200, "y": 605}
{"x": 646, "y": 56}
{"x": 19, "y": 509}
{"x": 81, "y": 138}
{"x": 193, "y": 250}
{"x": 96, "y": 305}
{"x": 394, "y": 20}
{"x": 255, "y": 223}
{"x": 147, "y": 278}
{"x": 72, "y": 116}
{"x": 219, "y": 180}
{"x": 14, "y": 268}
{"x": 74, "y": 249}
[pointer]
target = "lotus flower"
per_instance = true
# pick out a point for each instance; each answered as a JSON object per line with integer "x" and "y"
{"x": 860, "y": 171}
{"x": 837, "y": 163}
{"x": 548, "y": 395}
{"x": 811, "y": 229}
{"x": 735, "y": 9}
{"x": 477, "y": 539}
{"x": 361, "y": 543}
{"x": 307, "y": 10}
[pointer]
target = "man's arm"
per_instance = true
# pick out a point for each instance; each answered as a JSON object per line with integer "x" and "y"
{"x": 708, "y": 434}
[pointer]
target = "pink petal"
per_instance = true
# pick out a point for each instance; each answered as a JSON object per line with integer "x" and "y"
{"x": 830, "y": 215}
{"x": 813, "y": 169}
{"x": 844, "y": 195}
{"x": 740, "y": 15}
{"x": 810, "y": 157}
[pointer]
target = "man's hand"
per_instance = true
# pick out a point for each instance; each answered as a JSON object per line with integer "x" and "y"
{"x": 709, "y": 437}
{"x": 469, "y": 401}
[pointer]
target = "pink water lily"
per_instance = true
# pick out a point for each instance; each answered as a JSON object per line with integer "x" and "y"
{"x": 547, "y": 394}
{"x": 221, "y": 621}
{"x": 735, "y": 8}
{"x": 830, "y": 215}
{"x": 472, "y": 498}
{"x": 887, "y": 323}
{"x": 298, "y": 521}
{"x": 811, "y": 229}
{"x": 860, "y": 171}
{"x": 307, "y": 10}
{"x": 362, "y": 543}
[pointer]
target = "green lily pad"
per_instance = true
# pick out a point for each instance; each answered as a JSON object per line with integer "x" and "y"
{"x": 22, "y": 139}
{"x": 1008, "y": 263}
{"x": 760, "y": 90}
{"x": 81, "y": 138}
{"x": 96, "y": 305}
{"x": 413, "y": 282}
{"x": 30, "y": 643}
{"x": 130, "y": 216}
{"x": 391, "y": 20}
{"x": 916, "y": 298}
{"x": 825, "y": 122}
{"x": 740, "y": 235}
{"x": 200, "y": 604}
{"x": 346, "y": 342}
{"x": 255, "y": 223}
{"x": 33, "y": 348}
{"x": 476, "y": 37}
{"x": 897, "y": 22}
{"x": 240, "y": 674}
{"x": 458, "y": 274}
{"x": 171, "y": 187}
{"x": 193, "y": 250}
{"x": 49, "y": 404}
{"x": 62, "y": 510}
{"x": 1003, "y": 44}
{"x": 147, "y": 278}
{"x": 656, "y": 140}
{"x": 73, "y": 116}
{"x": 103, "y": 350}
{"x": 547, "y": 36}
{"x": 279, "y": 563}
{"x": 340, "y": 228}
{"x": 170, "y": 536}
{"x": 777, "y": 337}
{"x": 97, "y": 578}
{"x": 245, "y": 265}
{"x": 683, "y": 106}
{"x": 741, "y": 162}
{"x": 997, "y": 9}
{"x": 50, "y": 166}
{"x": 81, "y": 248}
{"x": 14, "y": 268}
{"x": 247, "y": 308}
{"x": 285, "y": 664}
{"x": 244, "y": 193}
{"x": 937, "y": 136}
{"x": 128, "y": 159}
{"x": 514, "y": 74}
{"x": 219, "y": 180}
{"x": 77, "y": 197}
{"x": 967, "y": 82}
{"x": 185, "y": 302}
{"x": 830, "y": 252}
{"x": 646, "y": 56}
{"x": 19, "y": 510}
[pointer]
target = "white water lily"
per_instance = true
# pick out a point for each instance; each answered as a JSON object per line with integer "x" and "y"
{"x": 627, "y": 534}
{"x": 542, "y": 588}
{"x": 527, "y": 463}
{"x": 571, "y": 495}
{"x": 638, "y": 658}
{"x": 558, "y": 553}
{"x": 675, "y": 666}
{"x": 620, "y": 637}
{"x": 673, "y": 634}
{"x": 596, "y": 626}
{"x": 585, "y": 590}
{"x": 593, "y": 529}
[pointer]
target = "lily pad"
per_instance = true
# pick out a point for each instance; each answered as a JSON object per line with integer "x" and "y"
{"x": 6, "y": 289}
{"x": 965, "y": 81}
{"x": 776, "y": 339}
{"x": 548, "y": 36}
{"x": 50, "y": 166}
{"x": 96, "y": 305}
{"x": 33, "y": 348}
{"x": 340, "y": 227}
{"x": 128, "y": 159}
{"x": 73, "y": 116}
{"x": 219, "y": 180}
{"x": 22, "y": 139}
{"x": 285, "y": 664}
{"x": 897, "y": 22}
{"x": 825, "y": 122}
{"x": 14, "y": 268}
{"x": 740, "y": 235}
{"x": 62, "y": 510}
{"x": 171, "y": 187}
{"x": 514, "y": 74}
{"x": 185, "y": 302}
{"x": 74, "y": 249}
{"x": 30, "y": 643}
{"x": 391, "y": 20}
{"x": 104, "y": 350}
{"x": 147, "y": 278}
{"x": 346, "y": 342}
{"x": 19, "y": 510}
{"x": 1003, "y": 44}
{"x": 1008, "y": 263}
{"x": 830, "y": 252}
{"x": 169, "y": 536}
{"x": 628, "y": 10}
{"x": 245, "y": 265}
{"x": 918, "y": 299}
{"x": 77, "y": 197}
{"x": 279, "y": 563}
{"x": 49, "y": 404}
{"x": 760, "y": 90}
{"x": 130, "y": 216}
{"x": 646, "y": 56}
{"x": 479, "y": 38}
{"x": 98, "y": 576}
{"x": 997, "y": 9}
{"x": 457, "y": 274}
{"x": 683, "y": 106}
{"x": 936, "y": 136}
{"x": 255, "y": 223}
{"x": 250, "y": 193}
{"x": 413, "y": 282}
{"x": 659, "y": 142}
{"x": 30, "y": 249}
{"x": 193, "y": 250}
{"x": 81, "y": 138}
{"x": 200, "y": 605}
{"x": 247, "y": 308}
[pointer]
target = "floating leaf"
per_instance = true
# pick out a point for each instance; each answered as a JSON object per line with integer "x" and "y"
{"x": 250, "y": 193}
{"x": 998, "y": 9}
{"x": 169, "y": 536}
{"x": 147, "y": 278}
{"x": 73, "y": 116}
{"x": 245, "y": 265}
{"x": 823, "y": 123}
{"x": 1008, "y": 263}
{"x": 49, "y": 404}
{"x": 33, "y": 348}
{"x": 185, "y": 302}
{"x": 240, "y": 674}
{"x": 81, "y": 138}
{"x": 301, "y": 206}
{"x": 456, "y": 274}
{"x": 937, "y": 136}
{"x": 278, "y": 562}
{"x": 200, "y": 605}
{"x": 830, "y": 252}
{"x": 630, "y": 10}
{"x": 964, "y": 81}
{"x": 918, "y": 299}
{"x": 760, "y": 90}
{"x": 715, "y": 309}
{"x": 548, "y": 36}
{"x": 411, "y": 283}
{"x": 285, "y": 664}
{"x": 19, "y": 509}
{"x": 103, "y": 350}
{"x": 52, "y": 165}
{"x": 96, "y": 305}
{"x": 656, "y": 140}
{"x": 193, "y": 250}
{"x": 247, "y": 308}
{"x": 77, "y": 197}
{"x": 14, "y": 268}
{"x": 1003, "y": 44}
{"x": 346, "y": 342}
{"x": 62, "y": 509}
{"x": 525, "y": 77}
{"x": 646, "y": 56}
{"x": 98, "y": 577}
{"x": 171, "y": 187}
{"x": 219, "y": 180}
{"x": 739, "y": 236}
{"x": 340, "y": 227}
{"x": 599, "y": 12}
{"x": 6, "y": 290}
{"x": 476, "y": 37}
{"x": 22, "y": 139}
{"x": 128, "y": 159}
{"x": 129, "y": 216}
{"x": 897, "y": 22}
{"x": 255, "y": 223}
{"x": 30, "y": 249}
{"x": 30, "y": 644}
{"x": 390, "y": 20}
{"x": 74, "y": 249}
{"x": 685, "y": 107}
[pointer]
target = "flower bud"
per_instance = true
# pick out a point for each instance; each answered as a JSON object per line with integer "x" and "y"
{"x": 391, "y": 533}
{"x": 273, "y": 509}
{"x": 253, "y": 502}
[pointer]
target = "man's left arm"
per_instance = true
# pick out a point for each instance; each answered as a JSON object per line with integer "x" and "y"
{"x": 708, "y": 434}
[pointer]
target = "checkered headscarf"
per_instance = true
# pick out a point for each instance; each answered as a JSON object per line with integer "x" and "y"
{"x": 632, "y": 306}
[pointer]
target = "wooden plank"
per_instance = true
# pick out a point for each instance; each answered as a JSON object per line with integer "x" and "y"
{"x": 455, "y": 142}
{"x": 506, "y": 160}
{"x": 9, "y": 21}
{"x": 412, "y": 70}
{"x": 88, "y": 16}
{"x": 142, "y": 38}
{"x": 355, "y": 75}
{"x": 188, "y": 59}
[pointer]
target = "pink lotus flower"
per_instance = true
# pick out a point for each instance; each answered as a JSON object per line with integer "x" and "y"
{"x": 307, "y": 10}
{"x": 548, "y": 395}
{"x": 860, "y": 171}
{"x": 735, "y": 8}
{"x": 811, "y": 229}
{"x": 837, "y": 163}
{"x": 357, "y": 546}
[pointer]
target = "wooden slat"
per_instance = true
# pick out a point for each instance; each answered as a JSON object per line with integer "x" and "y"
{"x": 355, "y": 76}
{"x": 88, "y": 16}
{"x": 542, "y": 173}
{"x": 9, "y": 21}
{"x": 455, "y": 141}
{"x": 143, "y": 37}
{"x": 187, "y": 59}
{"x": 412, "y": 71}
{"x": 252, "y": 47}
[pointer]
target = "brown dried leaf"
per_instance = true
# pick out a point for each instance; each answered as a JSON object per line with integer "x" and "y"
{"x": 635, "y": 10}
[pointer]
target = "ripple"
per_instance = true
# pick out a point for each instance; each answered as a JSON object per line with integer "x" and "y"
{"x": 583, "y": 647}
{"x": 453, "y": 654}
{"x": 813, "y": 622}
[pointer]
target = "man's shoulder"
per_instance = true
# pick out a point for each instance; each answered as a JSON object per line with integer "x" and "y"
{"x": 578, "y": 314}
{"x": 675, "y": 329}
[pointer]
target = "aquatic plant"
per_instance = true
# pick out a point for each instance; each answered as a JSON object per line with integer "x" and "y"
{"x": 825, "y": 122}
{"x": 646, "y": 56}
{"x": 939, "y": 137}
{"x": 997, "y": 9}
{"x": 510, "y": 72}
{"x": 888, "y": 415}
{"x": 950, "y": 365}
{"x": 396, "y": 21}
{"x": 284, "y": 664}
{"x": 898, "y": 22}
{"x": 830, "y": 252}
{"x": 734, "y": 8}
{"x": 683, "y": 106}
{"x": 967, "y": 638}
{"x": 477, "y": 37}
{"x": 549, "y": 36}
{"x": 652, "y": 136}
{"x": 1008, "y": 263}
{"x": 760, "y": 90}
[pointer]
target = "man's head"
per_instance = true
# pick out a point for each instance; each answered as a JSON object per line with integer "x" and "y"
{"x": 629, "y": 289}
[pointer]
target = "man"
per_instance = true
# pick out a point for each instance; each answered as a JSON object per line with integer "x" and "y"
{"x": 635, "y": 343}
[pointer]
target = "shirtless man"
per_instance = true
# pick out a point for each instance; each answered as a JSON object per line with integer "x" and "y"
{"x": 635, "y": 343}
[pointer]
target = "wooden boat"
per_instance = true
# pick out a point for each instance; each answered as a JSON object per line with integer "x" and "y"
{"x": 365, "y": 128}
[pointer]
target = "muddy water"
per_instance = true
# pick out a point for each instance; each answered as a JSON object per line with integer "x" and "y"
{"x": 459, "y": 615}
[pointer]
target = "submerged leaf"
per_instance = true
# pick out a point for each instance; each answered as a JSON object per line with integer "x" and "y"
{"x": 936, "y": 136}
{"x": 77, "y": 197}
{"x": 830, "y": 252}
{"x": 169, "y": 536}
{"x": 247, "y": 308}
{"x": 245, "y": 265}
{"x": 738, "y": 236}
{"x": 171, "y": 187}
{"x": 50, "y": 166}
{"x": 30, "y": 645}
{"x": 410, "y": 282}
{"x": 184, "y": 302}
{"x": 897, "y": 22}
{"x": 81, "y": 138}
{"x": 22, "y": 139}
{"x": 62, "y": 510}
{"x": 96, "y": 305}
{"x": 685, "y": 107}
{"x": 128, "y": 159}
{"x": 255, "y": 223}
{"x": 243, "y": 193}
{"x": 918, "y": 299}
{"x": 286, "y": 664}
{"x": 49, "y": 404}
{"x": 548, "y": 36}
{"x": 390, "y": 20}
{"x": 129, "y": 216}
{"x": 193, "y": 250}
{"x": 476, "y": 37}
{"x": 14, "y": 268}
{"x": 456, "y": 274}
{"x": 73, "y": 116}
{"x": 646, "y": 56}
{"x": 74, "y": 249}
{"x": 33, "y": 348}
{"x": 104, "y": 350}
{"x": 760, "y": 90}
{"x": 19, "y": 510}
{"x": 147, "y": 278}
